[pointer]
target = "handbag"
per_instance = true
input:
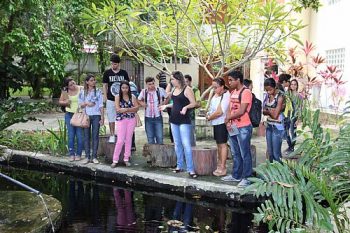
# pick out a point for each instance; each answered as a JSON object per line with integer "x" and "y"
{"x": 138, "y": 120}
{"x": 80, "y": 119}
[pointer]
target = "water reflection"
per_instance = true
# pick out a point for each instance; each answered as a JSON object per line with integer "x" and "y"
{"x": 83, "y": 203}
{"x": 125, "y": 212}
{"x": 92, "y": 207}
{"x": 183, "y": 213}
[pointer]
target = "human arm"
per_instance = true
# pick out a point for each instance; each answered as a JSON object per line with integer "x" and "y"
{"x": 135, "y": 104}
{"x": 197, "y": 98}
{"x": 245, "y": 100}
{"x": 105, "y": 89}
{"x": 100, "y": 104}
{"x": 190, "y": 96}
{"x": 274, "y": 113}
{"x": 224, "y": 105}
{"x": 64, "y": 99}
{"x": 141, "y": 98}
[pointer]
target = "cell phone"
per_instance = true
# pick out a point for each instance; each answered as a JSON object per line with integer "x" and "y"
{"x": 233, "y": 130}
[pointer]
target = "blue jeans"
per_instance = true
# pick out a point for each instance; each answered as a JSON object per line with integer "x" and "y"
{"x": 274, "y": 138}
{"x": 193, "y": 133}
{"x": 290, "y": 132}
{"x": 154, "y": 129}
{"x": 242, "y": 158}
{"x": 182, "y": 140}
{"x": 73, "y": 132}
{"x": 93, "y": 133}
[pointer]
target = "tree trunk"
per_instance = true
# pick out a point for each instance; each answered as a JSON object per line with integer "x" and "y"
{"x": 204, "y": 160}
{"x": 106, "y": 149}
{"x": 36, "y": 87}
{"x": 4, "y": 86}
{"x": 160, "y": 155}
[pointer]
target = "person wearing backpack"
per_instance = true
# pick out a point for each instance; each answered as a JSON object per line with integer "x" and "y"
{"x": 151, "y": 98}
{"x": 255, "y": 112}
{"x": 273, "y": 108}
{"x": 240, "y": 129}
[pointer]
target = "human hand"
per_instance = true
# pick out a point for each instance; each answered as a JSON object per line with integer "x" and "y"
{"x": 162, "y": 107}
{"x": 183, "y": 111}
{"x": 90, "y": 104}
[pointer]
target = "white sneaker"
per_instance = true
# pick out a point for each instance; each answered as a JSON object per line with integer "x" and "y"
{"x": 86, "y": 161}
{"x": 127, "y": 163}
{"x": 230, "y": 179}
{"x": 244, "y": 183}
{"x": 111, "y": 139}
{"x": 95, "y": 161}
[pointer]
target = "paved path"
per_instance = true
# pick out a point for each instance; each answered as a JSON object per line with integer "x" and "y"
{"x": 50, "y": 121}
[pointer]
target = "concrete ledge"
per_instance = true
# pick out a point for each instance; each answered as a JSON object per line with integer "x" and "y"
{"x": 134, "y": 176}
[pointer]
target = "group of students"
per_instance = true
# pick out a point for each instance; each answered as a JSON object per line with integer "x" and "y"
{"x": 227, "y": 112}
{"x": 121, "y": 109}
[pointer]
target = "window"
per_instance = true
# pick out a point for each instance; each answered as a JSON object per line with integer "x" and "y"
{"x": 336, "y": 57}
{"x": 333, "y": 2}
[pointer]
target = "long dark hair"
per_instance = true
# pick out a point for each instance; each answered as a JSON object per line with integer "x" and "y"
{"x": 120, "y": 90}
{"x": 180, "y": 77}
{"x": 66, "y": 83}
{"x": 220, "y": 82}
{"x": 86, "y": 88}
{"x": 296, "y": 81}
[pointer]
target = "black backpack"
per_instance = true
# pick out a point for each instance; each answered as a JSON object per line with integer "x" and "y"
{"x": 255, "y": 110}
{"x": 158, "y": 95}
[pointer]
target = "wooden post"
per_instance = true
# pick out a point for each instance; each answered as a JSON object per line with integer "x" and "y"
{"x": 204, "y": 160}
{"x": 160, "y": 155}
{"x": 106, "y": 149}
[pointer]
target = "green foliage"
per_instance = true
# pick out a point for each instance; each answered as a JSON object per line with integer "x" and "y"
{"x": 310, "y": 193}
{"x": 228, "y": 33}
{"x": 13, "y": 111}
{"x": 50, "y": 141}
{"x": 58, "y": 142}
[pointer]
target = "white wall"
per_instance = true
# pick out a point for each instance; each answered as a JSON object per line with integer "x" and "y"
{"x": 329, "y": 30}
{"x": 192, "y": 69}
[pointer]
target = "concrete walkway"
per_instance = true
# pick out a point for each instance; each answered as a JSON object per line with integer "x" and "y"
{"x": 140, "y": 173}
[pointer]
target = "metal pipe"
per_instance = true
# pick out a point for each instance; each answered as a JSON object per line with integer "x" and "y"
{"x": 30, "y": 189}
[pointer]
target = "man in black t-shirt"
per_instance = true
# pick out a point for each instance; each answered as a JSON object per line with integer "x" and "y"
{"x": 111, "y": 82}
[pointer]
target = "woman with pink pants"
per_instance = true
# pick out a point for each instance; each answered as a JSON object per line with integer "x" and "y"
{"x": 126, "y": 106}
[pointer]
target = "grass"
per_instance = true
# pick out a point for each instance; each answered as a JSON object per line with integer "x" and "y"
{"x": 26, "y": 90}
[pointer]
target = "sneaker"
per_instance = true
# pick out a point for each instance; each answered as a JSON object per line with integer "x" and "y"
{"x": 86, "y": 161}
{"x": 127, "y": 163}
{"x": 95, "y": 161}
{"x": 244, "y": 183}
{"x": 230, "y": 179}
{"x": 71, "y": 159}
{"x": 111, "y": 139}
{"x": 288, "y": 151}
{"x": 114, "y": 165}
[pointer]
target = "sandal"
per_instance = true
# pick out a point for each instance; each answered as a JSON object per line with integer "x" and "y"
{"x": 220, "y": 172}
{"x": 193, "y": 175}
{"x": 177, "y": 170}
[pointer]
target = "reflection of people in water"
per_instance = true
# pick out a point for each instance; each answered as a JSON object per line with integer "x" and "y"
{"x": 183, "y": 212}
{"x": 153, "y": 213}
{"x": 240, "y": 223}
{"x": 83, "y": 204}
{"x": 126, "y": 217}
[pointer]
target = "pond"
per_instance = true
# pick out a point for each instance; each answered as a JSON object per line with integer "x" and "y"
{"x": 90, "y": 206}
